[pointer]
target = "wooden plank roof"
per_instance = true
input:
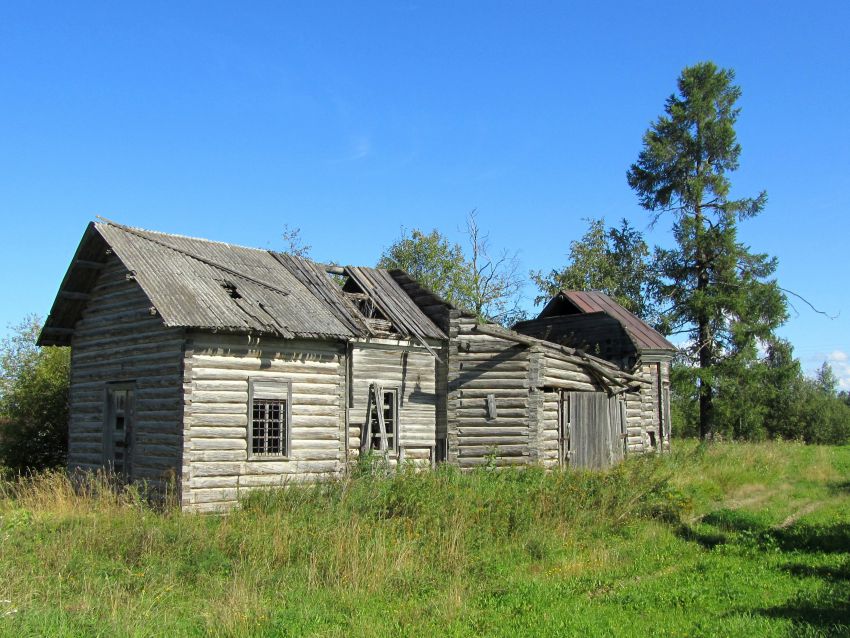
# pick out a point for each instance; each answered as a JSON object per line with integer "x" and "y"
{"x": 204, "y": 284}
{"x": 642, "y": 334}
{"x": 394, "y": 302}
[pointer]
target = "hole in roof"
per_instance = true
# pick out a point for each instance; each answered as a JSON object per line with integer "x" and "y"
{"x": 339, "y": 280}
{"x": 365, "y": 305}
{"x": 230, "y": 288}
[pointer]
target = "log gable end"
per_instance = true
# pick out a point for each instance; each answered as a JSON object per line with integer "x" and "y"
{"x": 119, "y": 340}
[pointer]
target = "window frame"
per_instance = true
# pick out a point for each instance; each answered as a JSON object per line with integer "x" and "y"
{"x": 286, "y": 434}
{"x": 109, "y": 429}
{"x": 394, "y": 450}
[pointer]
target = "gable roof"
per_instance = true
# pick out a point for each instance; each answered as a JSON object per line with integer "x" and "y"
{"x": 568, "y": 302}
{"x": 202, "y": 284}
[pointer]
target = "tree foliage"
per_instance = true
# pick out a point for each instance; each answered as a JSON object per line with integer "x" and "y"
{"x": 433, "y": 261}
{"x": 769, "y": 398}
{"x": 614, "y": 260}
{"x": 33, "y": 401}
{"x": 712, "y": 288}
{"x": 481, "y": 279}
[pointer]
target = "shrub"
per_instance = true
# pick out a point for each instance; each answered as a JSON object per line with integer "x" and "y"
{"x": 33, "y": 401}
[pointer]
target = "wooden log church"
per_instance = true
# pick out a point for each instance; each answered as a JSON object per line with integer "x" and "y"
{"x": 227, "y": 368}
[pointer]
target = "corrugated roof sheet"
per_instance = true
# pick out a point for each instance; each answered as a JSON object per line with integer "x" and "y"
{"x": 204, "y": 284}
{"x": 644, "y": 336}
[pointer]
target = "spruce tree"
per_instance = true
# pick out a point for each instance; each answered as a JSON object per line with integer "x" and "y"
{"x": 714, "y": 289}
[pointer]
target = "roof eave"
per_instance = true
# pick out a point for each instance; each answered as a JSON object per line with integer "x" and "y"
{"x": 62, "y": 334}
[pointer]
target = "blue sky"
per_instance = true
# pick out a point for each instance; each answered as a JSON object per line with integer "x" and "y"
{"x": 349, "y": 120}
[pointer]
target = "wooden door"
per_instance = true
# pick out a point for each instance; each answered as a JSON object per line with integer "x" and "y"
{"x": 596, "y": 426}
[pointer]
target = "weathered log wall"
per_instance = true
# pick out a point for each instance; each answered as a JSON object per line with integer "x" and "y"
{"x": 479, "y": 365}
{"x": 409, "y": 369}
{"x": 525, "y": 381}
{"x": 648, "y": 412}
{"x": 216, "y": 467}
{"x": 118, "y": 339}
{"x": 550, "y": 448}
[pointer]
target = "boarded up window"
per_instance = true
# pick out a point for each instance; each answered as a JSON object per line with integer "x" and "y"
{"x": 269, "y": 425}
{"x": 491, "y": 407}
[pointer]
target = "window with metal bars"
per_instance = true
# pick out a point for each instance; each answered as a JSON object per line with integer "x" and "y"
{"x": 268, "y": 427}
{"x": 269, "y": 424}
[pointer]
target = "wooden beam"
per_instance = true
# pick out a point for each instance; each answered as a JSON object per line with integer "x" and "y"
{"x": 576, "y": 355}
{"x": 335, "y": 270}
{"x": 87, "y": 263}
{"x": 68, "y": 294}
{"x": 501, "y": 333}
{"x": 628, "y": 388}
{"x": 58, "y": 331}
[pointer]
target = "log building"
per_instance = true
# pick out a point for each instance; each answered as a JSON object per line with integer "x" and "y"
{"x": 593, "y": 322}
{"x": 226, "y": 368}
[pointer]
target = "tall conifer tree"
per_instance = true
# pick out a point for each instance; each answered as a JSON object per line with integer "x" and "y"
{"x": 716, "y": 290}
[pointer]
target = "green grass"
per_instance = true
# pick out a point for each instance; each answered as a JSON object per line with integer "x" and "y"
{"x": 736, "y": 539}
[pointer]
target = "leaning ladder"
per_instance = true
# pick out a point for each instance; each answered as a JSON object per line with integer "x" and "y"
{"x": 376, "y": 395}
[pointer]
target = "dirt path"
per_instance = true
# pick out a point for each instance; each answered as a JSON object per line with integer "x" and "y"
{"x": 808, "y": 508}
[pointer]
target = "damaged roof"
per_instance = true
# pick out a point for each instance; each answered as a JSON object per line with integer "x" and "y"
{"x": 394, "y": 302}
{"x": 207, "y": 285}
{"x": 568, "y": 302}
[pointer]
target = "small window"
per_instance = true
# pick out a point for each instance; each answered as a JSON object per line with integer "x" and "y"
{"x": 492, "y": 414}
{"x": 269, "y": 426}
{"x": 389, "y": 410}
{"x": 117, "y": 435}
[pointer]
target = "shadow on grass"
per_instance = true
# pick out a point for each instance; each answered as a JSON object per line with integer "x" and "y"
{"x": 826, "y": 608}
{"x": 823, "y": 609}
{"x": 839, "y": 487}
{"x": 731, "y": 525}
{"x": 717, "y": 528}
{"x": 709, "y": 540}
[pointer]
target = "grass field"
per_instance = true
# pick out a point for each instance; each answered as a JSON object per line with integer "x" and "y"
{"x": 736, "y": 540}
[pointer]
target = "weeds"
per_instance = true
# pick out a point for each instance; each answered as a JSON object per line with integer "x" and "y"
{"x": 443, "y": 552}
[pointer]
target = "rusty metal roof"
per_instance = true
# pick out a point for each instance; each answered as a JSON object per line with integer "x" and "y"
{"x": 642, "y": 334}
{"x": 204, "y": 284}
